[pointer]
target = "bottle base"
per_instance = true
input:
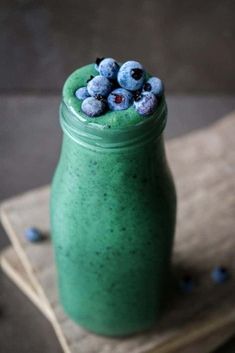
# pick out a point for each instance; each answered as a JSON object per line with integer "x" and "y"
{"x": 107, "y": 330}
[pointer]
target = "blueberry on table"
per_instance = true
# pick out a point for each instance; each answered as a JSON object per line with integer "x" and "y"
{"x": 82, "y": 93}
{"x": 219, "y": 274}
{"x": 186, "y": 284}
{"x": 146, "y": 104}
{"x": 33, "y": 234}
{"x": 155, "y": 86}
{"x": 92, "y": 106}
{"x": 108, "y": 67}
{"x": 120, "y": 99}
{"x": 131, "y": 75}
{"x": 99, "y": 85}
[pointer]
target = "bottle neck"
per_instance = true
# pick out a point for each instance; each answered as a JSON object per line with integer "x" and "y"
{"x": 97, "y": 137}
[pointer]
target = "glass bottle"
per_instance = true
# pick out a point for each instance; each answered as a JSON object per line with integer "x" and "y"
{"x": 113, "y": 208}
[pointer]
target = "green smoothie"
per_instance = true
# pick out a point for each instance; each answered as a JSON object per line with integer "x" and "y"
{"x": 113, "y": 207}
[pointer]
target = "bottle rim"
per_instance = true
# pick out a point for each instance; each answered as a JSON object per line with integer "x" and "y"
{"x": 95, "y": 136}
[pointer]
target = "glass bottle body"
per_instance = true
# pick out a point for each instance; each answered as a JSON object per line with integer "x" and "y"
{"x": 113, "y": 219}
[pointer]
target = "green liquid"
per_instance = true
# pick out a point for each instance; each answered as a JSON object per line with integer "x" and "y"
{"x": 113, "y": 218}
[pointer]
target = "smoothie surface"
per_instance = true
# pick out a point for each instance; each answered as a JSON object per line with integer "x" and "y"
{"x": 111, "y": 119}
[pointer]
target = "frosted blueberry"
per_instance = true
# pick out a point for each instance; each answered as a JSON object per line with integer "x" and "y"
{"x": 99, "y": 85}
{"x": 92, "y": 106}
{"x": 154, "y": 85}
{"x": 33, "y": 235}
{"x": 131, "y": 75}
{"x": 146, "y": 103}
{"x": 108, "y": 67}
{"x": 219, "y": 274}
{"x": 120, "y": 99}
{"x": 82, "y": 93}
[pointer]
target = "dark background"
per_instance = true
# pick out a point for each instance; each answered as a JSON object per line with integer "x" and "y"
{"x": 189, "y": 44}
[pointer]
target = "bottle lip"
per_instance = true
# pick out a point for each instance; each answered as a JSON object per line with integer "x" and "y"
{"x": 95, "y": 136}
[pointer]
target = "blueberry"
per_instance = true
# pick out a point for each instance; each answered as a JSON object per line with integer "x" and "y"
{"x": 82, "y": 93}
{"x": 154, "y": 85}
{"x": 99, "y": 85}
{"x": 146, "y": 103}
{"x": 108, "y": 67}
{"x": 219, "y": 274}
{"x": 92, "y": 106}
{"x": 186, "y": 284}
{"x": 120, "y": 99}
{"x": 33, "y": 235}
{"x": 131, "y": 75}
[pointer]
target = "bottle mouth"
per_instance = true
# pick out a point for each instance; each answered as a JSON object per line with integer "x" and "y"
{"x": 96, "y": 136}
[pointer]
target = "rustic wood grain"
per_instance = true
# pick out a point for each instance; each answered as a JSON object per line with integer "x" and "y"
{"x": 203, "y": 164}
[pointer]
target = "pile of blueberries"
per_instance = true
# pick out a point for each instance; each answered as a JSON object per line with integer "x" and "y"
{"x": 118, "y": 87}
